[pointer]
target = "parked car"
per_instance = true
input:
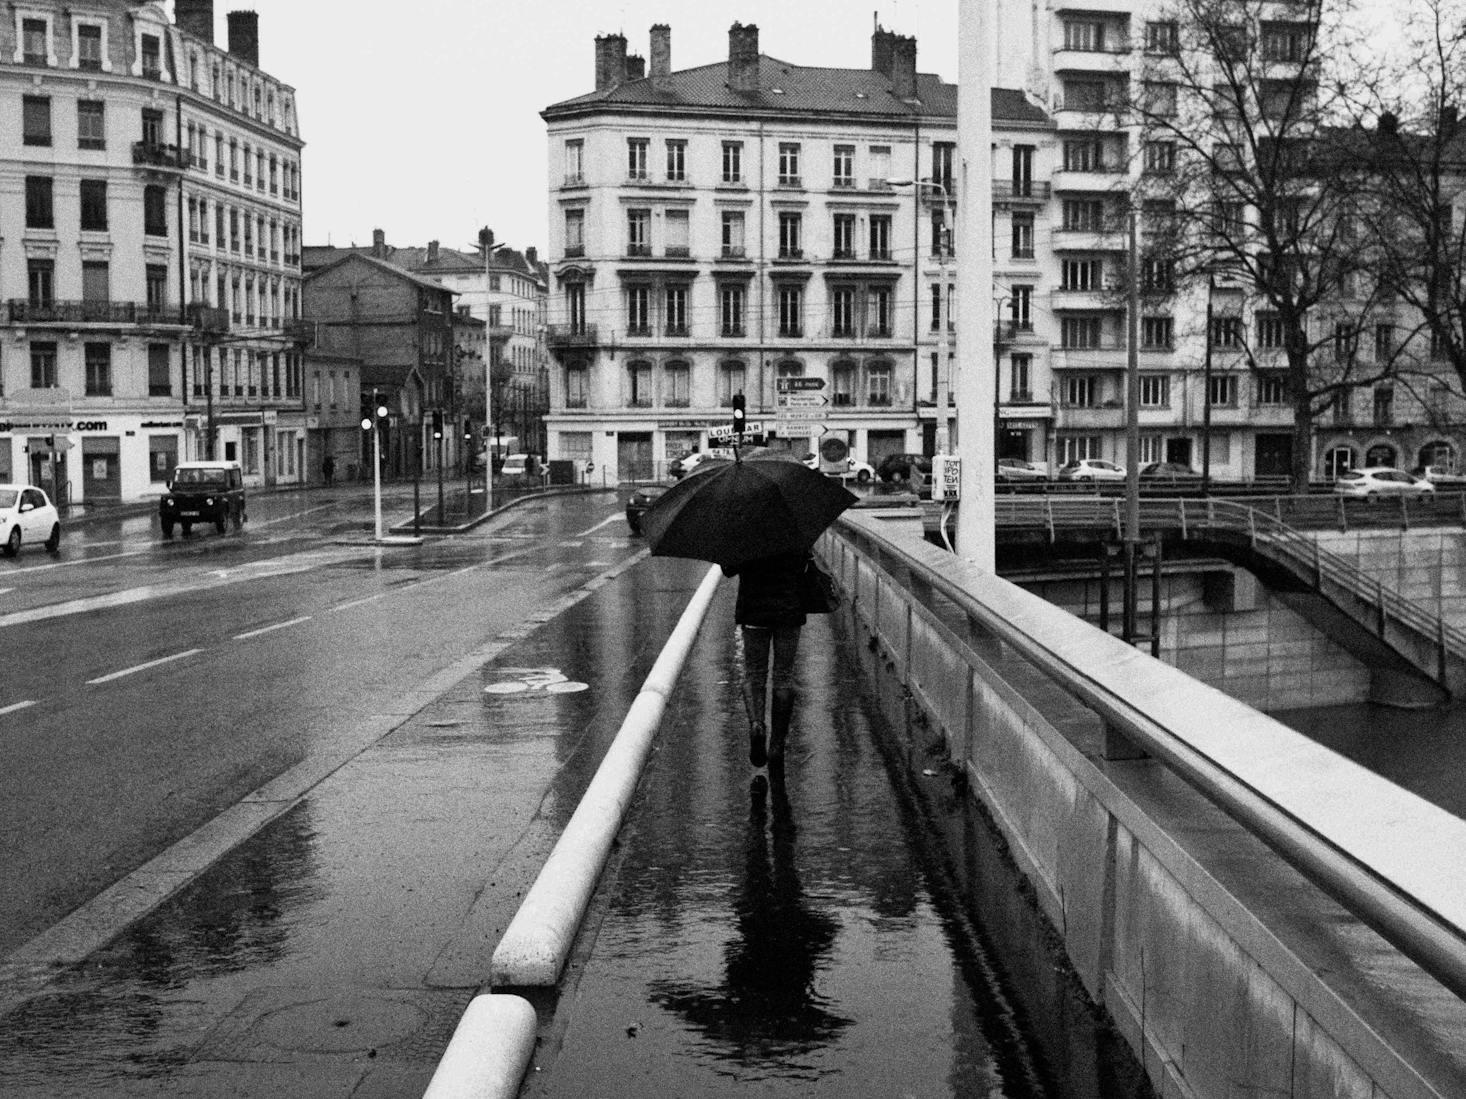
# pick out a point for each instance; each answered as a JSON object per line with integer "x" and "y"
{"x": 903, "y": 467}
{"x": 1091, "y": 469}
{"x": 640, "y": 500}
{"x": 1169, "y": 473}
{"x": 520, "y": 466}
{"x": 1380, "y": 481}
{"x": 27, "y": 515}
{"x": 681, "y": 467}
{"x": 863, "y": 472}
{"x": 1020, "y": 469}
{"x": 1442, "y": 477}
{"x": 203, "y": 492}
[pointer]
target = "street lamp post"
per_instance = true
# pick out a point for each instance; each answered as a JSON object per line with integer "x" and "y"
{"x": 944, "y": 347}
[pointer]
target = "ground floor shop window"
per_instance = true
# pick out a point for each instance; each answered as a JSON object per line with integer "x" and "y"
{"x": 162, "y": 457}
{"x": 1072, "y": 448}
{"x": 101, "y": 469}
{"x": 5, "y": 467}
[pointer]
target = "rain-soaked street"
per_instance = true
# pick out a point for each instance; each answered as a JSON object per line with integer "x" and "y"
{"x": 278, "y": 864}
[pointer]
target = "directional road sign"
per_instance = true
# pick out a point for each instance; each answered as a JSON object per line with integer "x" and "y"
{"x": 803, "y": 400}
{"x": 802, "y": 415}
{"x": 791, "y": 385}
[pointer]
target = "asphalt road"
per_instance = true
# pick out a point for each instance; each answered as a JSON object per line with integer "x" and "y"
{"x": 151, "y": 685}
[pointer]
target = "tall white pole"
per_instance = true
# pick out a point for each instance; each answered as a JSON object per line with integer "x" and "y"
{"x": 976, "y": 385}
{"x": 377, "y": 467}
{"x": 944, "y": 345}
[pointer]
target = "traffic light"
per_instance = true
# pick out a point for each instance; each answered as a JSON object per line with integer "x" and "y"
{"x": 740, "y": 414}
{"x": 468, "y": 430}
{"x": 437, "y": 424}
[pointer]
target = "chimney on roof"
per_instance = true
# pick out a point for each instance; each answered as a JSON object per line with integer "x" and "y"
{"x": 903, "y": 66}
{"x": 244, "y": 36}
{"x": 743, "y": 57}
{"x": 882, "y": 50}
{"x": 432, "y": 251}
{"x": 635, "y": 67}
{"x": 196, "y": 17}
{"x": 661, "y": 51}
{"x": 379, "y": 244}
{"x": 532, "y": 257}
{"x": 610, "y": 61}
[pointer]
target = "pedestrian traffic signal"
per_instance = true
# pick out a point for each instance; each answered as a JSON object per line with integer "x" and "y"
{"x": 740, "y": 414}
{"x": 437, "y": 424}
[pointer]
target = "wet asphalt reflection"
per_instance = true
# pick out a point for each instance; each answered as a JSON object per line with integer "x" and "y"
{"x": 799, "y": 935}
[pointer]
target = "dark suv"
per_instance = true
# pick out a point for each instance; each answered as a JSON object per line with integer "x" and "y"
{"x": 203, "y": 492}
{"x": 904, "y": 467}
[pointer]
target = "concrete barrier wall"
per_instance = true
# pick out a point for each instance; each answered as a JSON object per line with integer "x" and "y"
{"x": 1425, "y": 566}
{"x": 1228, "y": 972}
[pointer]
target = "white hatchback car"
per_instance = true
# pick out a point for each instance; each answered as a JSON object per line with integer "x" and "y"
{"x": 1091, "y": 469}
{"x": 27, "y": 515}
{"x": 1380, "y": 481}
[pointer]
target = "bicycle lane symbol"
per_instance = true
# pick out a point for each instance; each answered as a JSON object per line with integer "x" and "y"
{"x": 522, "y": 680}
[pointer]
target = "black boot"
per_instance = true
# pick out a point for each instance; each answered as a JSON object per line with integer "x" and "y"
{"x": 757, "y": 753}
{"x": 783, "y": 712}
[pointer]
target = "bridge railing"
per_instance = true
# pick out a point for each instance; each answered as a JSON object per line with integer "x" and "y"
{"x": 945, "y": 625}
{"x": 1257, "y": 521}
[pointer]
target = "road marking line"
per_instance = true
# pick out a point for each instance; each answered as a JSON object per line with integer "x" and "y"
{"x": 268, "y": 629}
{"x": 143, "y": 667}
{"x": 6, "y": 591}
{"x": 358, "y": 602}
{"x": 17, "y": 706}
{"x": 603, "y": 523}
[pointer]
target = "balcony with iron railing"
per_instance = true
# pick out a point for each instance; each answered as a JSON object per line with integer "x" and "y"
{"x": 151, "y": 154}
{"x": 208, "y": 318}
{"x": 103, "y": 313}
{"x": 571, "y": 336}
{"x": 1006, "y": 190}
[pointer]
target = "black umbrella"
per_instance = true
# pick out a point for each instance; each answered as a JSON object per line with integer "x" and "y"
{"x": 740, "y": 511}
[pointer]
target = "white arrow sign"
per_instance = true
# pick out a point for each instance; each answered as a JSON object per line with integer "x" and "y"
{"x": 803, "y": 400}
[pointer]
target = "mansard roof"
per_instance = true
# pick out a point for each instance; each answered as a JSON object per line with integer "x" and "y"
{"x": 788, "y": 89}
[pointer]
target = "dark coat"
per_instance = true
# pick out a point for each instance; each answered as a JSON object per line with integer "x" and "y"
{"x": 768, "y": 591}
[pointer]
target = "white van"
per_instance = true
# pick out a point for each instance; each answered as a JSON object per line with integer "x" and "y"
{"x": 521, "y": 465}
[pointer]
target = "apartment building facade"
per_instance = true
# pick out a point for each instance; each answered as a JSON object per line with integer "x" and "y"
{"x": 726, "y": 228}
{"x": 147, "y": 298}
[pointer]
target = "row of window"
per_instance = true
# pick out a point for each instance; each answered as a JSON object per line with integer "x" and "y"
{"x": 95, "y": 369}
{"x": 91, "y": 124}
{"x": 670, "y": 385}
{"x": 791, "y": 163}
{"x": 1276, "y": 41}
{"x": 93, "y": 215}
{"x": 249, "y": 299}
{"x": 1090, "y": 391}
{"x": 245, "y": 372}
{"x": 96, "y": 302}
{"x": 243, "y": 232}
{"x": 89, "y": 53}
{"x": 260, "y": 170}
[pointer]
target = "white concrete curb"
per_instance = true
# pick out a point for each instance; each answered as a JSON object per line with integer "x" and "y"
{"x": 489, "y": 1053}
{"x": 537, "y": 942}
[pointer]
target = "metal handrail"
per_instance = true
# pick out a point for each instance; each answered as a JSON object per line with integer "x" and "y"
{"x": 1436, "y": 940}
{"x": 1262, "y": 530}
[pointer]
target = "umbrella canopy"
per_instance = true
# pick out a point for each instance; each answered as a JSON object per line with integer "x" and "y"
{"x": 740, "y": 511}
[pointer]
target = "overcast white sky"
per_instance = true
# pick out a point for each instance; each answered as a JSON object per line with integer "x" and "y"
{"x": 423, "y": 119}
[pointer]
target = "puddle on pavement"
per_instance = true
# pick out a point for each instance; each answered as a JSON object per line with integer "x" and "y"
{"x": 804, "y": 936}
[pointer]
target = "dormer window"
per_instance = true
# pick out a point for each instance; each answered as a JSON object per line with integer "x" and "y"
{"x": 35, "y": 41}
{"x": 89, "y": 47}
{"x": 151, "y": 47}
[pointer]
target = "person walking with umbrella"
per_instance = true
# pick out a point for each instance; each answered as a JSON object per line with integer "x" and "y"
{"x": 758, "y": 520}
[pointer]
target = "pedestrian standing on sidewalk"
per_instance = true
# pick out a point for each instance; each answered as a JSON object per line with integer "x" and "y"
{"x": 769, "y": 616}
{"x": 328, "y": 468}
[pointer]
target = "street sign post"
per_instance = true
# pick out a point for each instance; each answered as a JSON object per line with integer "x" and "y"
{"x": 794, "y": 385}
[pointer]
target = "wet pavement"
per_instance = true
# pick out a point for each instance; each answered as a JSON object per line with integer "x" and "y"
{"x": 799, "y": 937}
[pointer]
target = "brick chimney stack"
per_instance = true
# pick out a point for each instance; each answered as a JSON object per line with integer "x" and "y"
{"x": 903, "y": 66}
{"x": 532, "y": 257}
{"x": 610, "y": 61}
{"x": 244, "y": 36}
{"x": 743, "y": 57}
{"x": 432, "y": 251}
{"x": 379, "y": 243}
{"x": 882, "y": 50}
{"x": 195, "y": 17}
{"x": 661, "y": 51}
{"x": 635, "y": 67}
